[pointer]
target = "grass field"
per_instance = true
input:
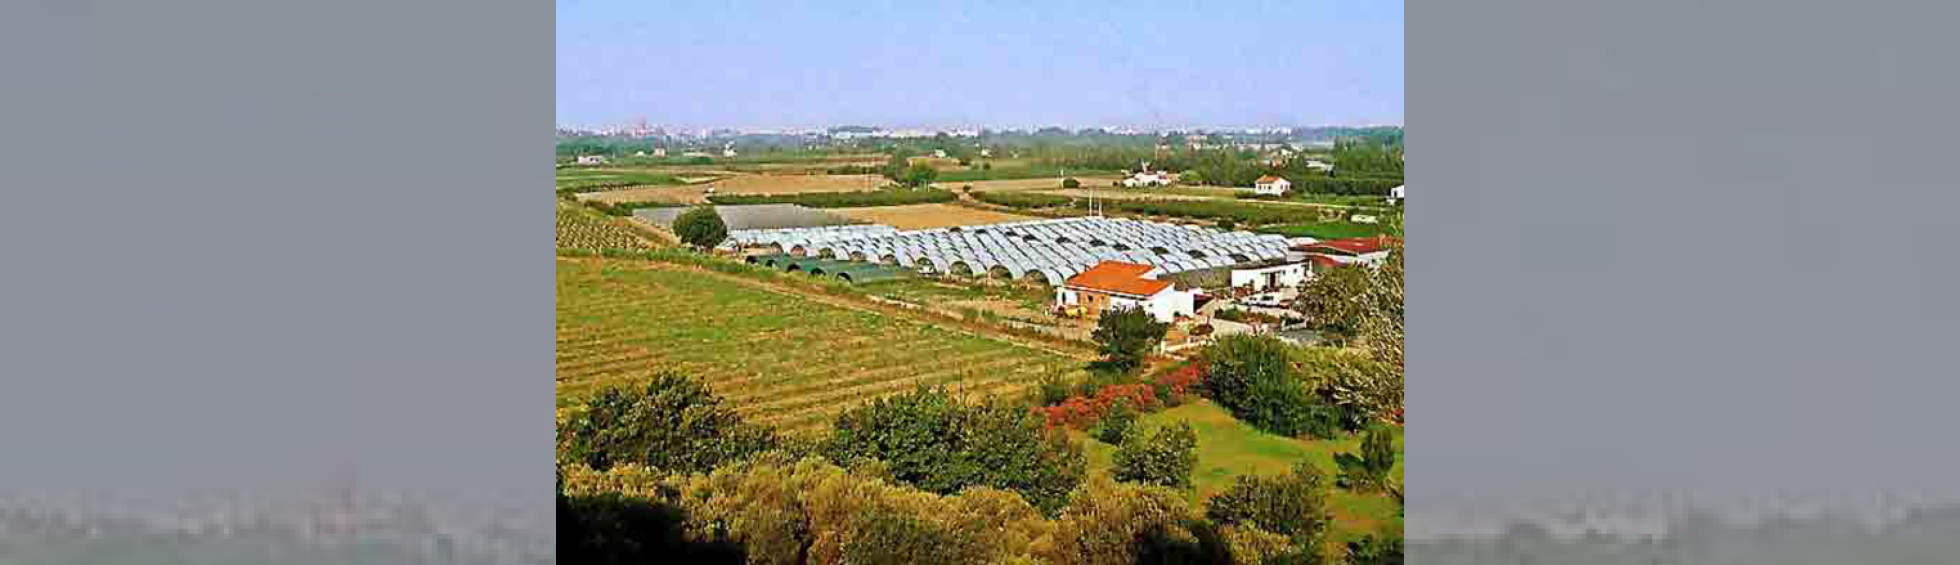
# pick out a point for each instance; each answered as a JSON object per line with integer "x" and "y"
{"x": 1228, "y": 448}
{"x": 920, "y": 216}
{"x": 582, "y": 178}
{"x": 783, "y": 360}
{"x": 1325, "y": 230}
{"x": 581, "y": 228}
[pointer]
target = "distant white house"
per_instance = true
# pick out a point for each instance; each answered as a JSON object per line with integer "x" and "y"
{"x": 660, "y": 152}
{"x": 1145, "y": 177}
{"x": 1319, "y": 165}
{"x": 728, "y": 152}
{"x": 639, "y": 153}
{"x": 1395, "y": 194}
{"x": 984, "y": 152}
{"x": 1270, "y": 185}
{"x": 1364, "y": 219}
{"x": 939, "y": 153}
{"x": 592, "y": 159}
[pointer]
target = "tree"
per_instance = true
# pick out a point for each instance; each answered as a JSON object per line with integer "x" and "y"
{"x": 1111, "y": 523}
{"x": 1125, "y": 336}
{"x": 1166, "y": 458}
{"x": 1369, "y": 471}
{"x": 930, "y": 440}
{"x": 1292, "y": 505}
{"x": 1071, "y": 183}
{"x": 1336, "y": 301}
{"x": 1254, "y": 377}
{"x": 920, "y": 175}
{"x": 701, "y": 227}
{"x": 674, "y": 423}
{"x": 1228, "y": 224}
{"x": 1116, "y": 423}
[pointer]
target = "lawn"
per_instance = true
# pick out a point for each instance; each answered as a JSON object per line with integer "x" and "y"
{"x": 1228, "y": 448}
{"x": 783, "y": 360}
{"x": 1325, "y": 230}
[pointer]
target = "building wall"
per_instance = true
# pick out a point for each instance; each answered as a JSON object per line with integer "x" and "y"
{"x": 1289, "y": 275}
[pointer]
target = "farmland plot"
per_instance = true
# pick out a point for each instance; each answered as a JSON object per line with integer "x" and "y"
{"x": 782, "y": 360}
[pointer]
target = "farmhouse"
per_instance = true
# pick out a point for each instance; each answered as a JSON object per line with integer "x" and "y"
{"x": 660, "y": 152}
{"x": 1116, "y": 284}
{"x": 1148, "y": 178}
{"x": 592, "y": 159}
{"x": 939, "y": 153}
{"x": 1363, "y": 250}
{"x": 1395, "y": 194}
{"x": 1270, "y": 185}
{"x": 1269, "y": 275}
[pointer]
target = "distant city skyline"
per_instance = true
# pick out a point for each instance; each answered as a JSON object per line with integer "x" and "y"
{"x": 924, "y": 65}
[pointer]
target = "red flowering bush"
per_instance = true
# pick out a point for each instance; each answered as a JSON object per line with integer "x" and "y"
{"x": 1183, "y": 380}
{"x": 1079, "y": 412}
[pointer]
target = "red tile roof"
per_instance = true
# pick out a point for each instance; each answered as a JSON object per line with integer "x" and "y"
{"x": 1323, "y": 260}
{"x": 1353, "y": 246}
{"x": 1268, "y": 178}
{"x": 1118, "y": 277}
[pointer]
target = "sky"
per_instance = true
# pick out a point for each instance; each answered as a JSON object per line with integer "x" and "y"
{"x": 922, "y": 63}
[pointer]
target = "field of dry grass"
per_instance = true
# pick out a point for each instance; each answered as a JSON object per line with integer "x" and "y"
{"x": 920, "y": 216}
{"x": 739, "y": 184}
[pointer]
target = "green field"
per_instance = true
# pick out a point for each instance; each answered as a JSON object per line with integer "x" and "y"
{"x": 1228, "y": 448}
{"x": 580, "y": 178}
{"x": 1325, "y": 230}
{"x": 581, "y": 228}
{"x": 783, "y": 360}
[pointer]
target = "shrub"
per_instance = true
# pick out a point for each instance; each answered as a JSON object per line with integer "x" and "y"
{"x": 929, "y": 440}
{"x": 701, "y": 227}
{"x": 1384, "y": 548}
{"x": 1292, "y": 505}
{"x": 1228, "y": 224}
{"x": 1166, "y": 458}
{"x": 1116, "y": 423}
{"x": 1180, "y": 382}
{"x": 1081, "y": 411}
{"x": 1071, "y": 183}
{"x": 1369, "y": 470}
{"x": 1254, "y": 378}
{"x": 1051, "y": 390}
{"x": 1110, "y": 523}
{"x": 674, "y": 423}
{"x": 1125, "y": 335}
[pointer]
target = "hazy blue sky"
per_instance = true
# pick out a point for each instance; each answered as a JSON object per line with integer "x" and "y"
{"x": 768, "y": 63}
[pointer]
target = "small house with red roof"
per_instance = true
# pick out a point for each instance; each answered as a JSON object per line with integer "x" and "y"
{"x": 1270, "y": 185}
{"x": 1116, "y": 284}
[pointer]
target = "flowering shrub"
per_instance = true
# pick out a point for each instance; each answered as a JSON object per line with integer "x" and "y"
{"x": 1080, "y": 412}
{"x": 1182, "y": 381}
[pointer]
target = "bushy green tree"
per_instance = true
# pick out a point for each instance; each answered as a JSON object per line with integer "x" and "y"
{"x": 1336, "y": 301}
{"x": 1254, "y": 377}
{"x": 1125, "y": 336}
{"x": 701, "y": 227}
{"x": 1292, "y": 505}
{"x": 1166, "y": 458}
{"x": 1116, "y": 423}
{"x": 1383, "y": 548}
{"x": 930, "y": 440}
{"x": 919, "y": 175}
{"x": 674, "y": 423}
{"x": 1071, "y": 183}
{"x": 1369, "y": 470}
